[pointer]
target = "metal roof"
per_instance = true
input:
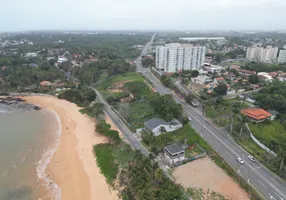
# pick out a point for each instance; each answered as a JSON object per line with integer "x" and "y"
{"x": 153, "y": 123}
{"x": 174, "y": 148}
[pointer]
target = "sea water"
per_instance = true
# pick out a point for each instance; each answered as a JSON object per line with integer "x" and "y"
{"x": 28, "y": 140}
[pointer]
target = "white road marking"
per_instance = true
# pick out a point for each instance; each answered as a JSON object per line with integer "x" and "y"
{"x": 262, "y": 184}
{"x": 217, "y": 143}
{"x": 279, "y": 196}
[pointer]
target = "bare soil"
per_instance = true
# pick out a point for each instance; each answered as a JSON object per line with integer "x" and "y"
{"x": 204, "y": 173}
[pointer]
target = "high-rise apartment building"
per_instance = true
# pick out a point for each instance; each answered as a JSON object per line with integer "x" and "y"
{"x": 259, "y": 53}
{"x": 177, "y": 57}
{"x": 282, "y": 56}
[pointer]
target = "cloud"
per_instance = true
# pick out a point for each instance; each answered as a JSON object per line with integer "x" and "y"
{"x": 147, "y": 14}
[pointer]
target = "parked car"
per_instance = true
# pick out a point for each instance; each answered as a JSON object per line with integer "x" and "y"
{"x": 251, "y": 158}
{"x": 190, "y": 118}
{"x": 240, "y": 160}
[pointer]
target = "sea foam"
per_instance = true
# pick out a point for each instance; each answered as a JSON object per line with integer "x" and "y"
{"x": 45, "y": 160}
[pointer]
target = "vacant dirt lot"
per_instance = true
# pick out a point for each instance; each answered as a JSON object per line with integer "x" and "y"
{"x": 205, "y": 174}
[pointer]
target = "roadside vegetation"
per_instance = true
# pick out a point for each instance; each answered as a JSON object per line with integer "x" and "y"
{"x": 134, "y": 175}
{"x": 200, "y": 194}
{"x": 142, "y": 105}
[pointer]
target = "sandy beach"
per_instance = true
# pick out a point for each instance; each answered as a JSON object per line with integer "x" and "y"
{"x": 73, "y": 165}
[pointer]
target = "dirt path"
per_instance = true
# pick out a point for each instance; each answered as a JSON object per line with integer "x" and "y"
{"x": 205, "y": 174}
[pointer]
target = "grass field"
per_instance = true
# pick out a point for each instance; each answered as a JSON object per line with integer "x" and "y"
{"x": 106, "y": 81}
{"x": 222, "y": 112}
{"x": 137, "y": 113}
{"x": 268, "y": 131}
{"x": 110, "y": 158}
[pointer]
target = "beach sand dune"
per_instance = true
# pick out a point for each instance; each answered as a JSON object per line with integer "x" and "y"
{"x": 73, "y": 166}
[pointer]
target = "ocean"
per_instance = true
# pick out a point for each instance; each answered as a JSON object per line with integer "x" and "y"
{"x": 28, "y": 140}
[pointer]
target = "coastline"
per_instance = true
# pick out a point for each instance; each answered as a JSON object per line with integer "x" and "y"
{"x": 73, "y": 166}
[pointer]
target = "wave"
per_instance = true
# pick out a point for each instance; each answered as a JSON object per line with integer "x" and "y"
{"x": 56, "y": 191}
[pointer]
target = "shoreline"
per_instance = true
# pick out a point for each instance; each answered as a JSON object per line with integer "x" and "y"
{"x": 73, "y": 166}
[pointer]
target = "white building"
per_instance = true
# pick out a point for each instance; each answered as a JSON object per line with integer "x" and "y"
{"x": 282, "y": 56}
{"x": 266, "y": 76}
{"x": 158, "y": 126}
{"x": 31, "y": 54}
{"x": 62, "y": 59}
{"x": 174, "y": 153}
{"x": 259, "y": 53}
{"x": 177, "y": 57}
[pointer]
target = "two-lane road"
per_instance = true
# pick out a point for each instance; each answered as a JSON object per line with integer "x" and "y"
{"x": 120, "y": 124}
{"x": 254, "y": 172}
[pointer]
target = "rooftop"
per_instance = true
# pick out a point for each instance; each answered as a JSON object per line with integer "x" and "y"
{"x": 174, "y": 148}
{"x": 154, "y": 122}
{"x": 273, "y": 112}
{"x": 45, "y": 83}
{"x": 220, "y": 79}
{"x": 256, "y": 113}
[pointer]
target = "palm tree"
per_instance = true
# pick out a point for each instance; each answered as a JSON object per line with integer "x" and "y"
{"x": 97, "y": 109}
{"x": 159, "y": 176}
{"x": 243, "y": 120}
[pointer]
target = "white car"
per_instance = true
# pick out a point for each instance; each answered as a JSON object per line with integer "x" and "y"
{"x": 251, "y": 158}
{"x": 190, "y": 118}
{"x": 240, "y": 160}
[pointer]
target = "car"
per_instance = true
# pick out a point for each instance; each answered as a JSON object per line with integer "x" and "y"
{"x": 190, "y": 118}
{"x": 240, "y": 160}
{"x": 251, "y": 158}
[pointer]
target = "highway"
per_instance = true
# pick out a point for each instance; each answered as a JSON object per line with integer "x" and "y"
{"x": 271, "y": 186}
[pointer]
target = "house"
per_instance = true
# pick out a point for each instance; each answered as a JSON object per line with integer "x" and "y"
{"x": 210, "y": 87}
{"x": 229, "y": 75}
{"x": 45, "y": 83}
{"x": 264, "y": 76}
{"x": 62, "y": 59}
{"x": 273, "y": 74}
{"x": 256, "y": 115}
{"x": 174, "y": 153}
{"x": 273, "y": 113}
{"x": 245, "y": 72}
{"x": 31, "y": 54}
{"x": 234, "y": 67}
{"x": 201, "y": 79}
{"x": 158, "y": 126}
{"x": 219, "y": 80}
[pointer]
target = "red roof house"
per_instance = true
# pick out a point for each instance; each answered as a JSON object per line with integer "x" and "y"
{"x": 256, "y": 114}
{"x": 45, "y": 83}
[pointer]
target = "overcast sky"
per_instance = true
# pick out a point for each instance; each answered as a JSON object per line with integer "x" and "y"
{"x": 20, "y": 15}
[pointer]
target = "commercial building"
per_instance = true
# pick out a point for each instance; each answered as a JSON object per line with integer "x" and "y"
{"x": 177, "y": 57}
{"x": 282, "y": 56}
{"x": 259, "y": 53}
{"x": 174, "y": 153}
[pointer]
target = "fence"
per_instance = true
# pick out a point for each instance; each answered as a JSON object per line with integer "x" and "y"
{"x": 258, "y": 142}
{"x": 192, "y": 158}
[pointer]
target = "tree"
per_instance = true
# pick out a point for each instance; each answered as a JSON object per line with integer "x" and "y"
{"x": 218, "y": 57}
{"x": 167, "y": 81}
{"x": 194, "y": 73}
{"x": 97, "y": 109}
{"x": 102, "y": 127}
{"x": 189, "y": 98}
{"x": 221, "y": 89}
{"x": 113, "y": 135}
{"x": 253, "y": 79}
{"x": 185, "y": 81}
{"x": 282, "y": 150}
